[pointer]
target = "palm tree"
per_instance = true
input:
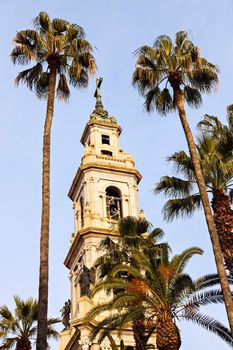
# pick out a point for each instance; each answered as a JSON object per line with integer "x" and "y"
{"x": 133, "y": 233}
{"x": 215, "y": 150}
{"x": 18, "y": 329}
{"x": 164, "y": 293}
{"x": 185, "y": 75}
{"x": 62, "y": 55}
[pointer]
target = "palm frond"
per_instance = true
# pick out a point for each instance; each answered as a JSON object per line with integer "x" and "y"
{"x": 182, "y": 163}
{"x": 206, "y": 145}
{"x": 209, "y": 123}
{"x": 204, "y": 79}
{"x": 163, "y": 102}
{"x": 214, "y": 296}
{"x": 181, "y": 207}
{"x": 157, "y": 234}
{"x": 182, "y": 43}
{"x": 59, "y": 25}
{"x": 75, "y": 31}
{"x": 165, "y": 42}
{"x": 230, "y": 116}
{"x": 42, "y": 22}
{"x": 30, "y": 76}
{"x": 104, "y": 326}
{"x": 179, "y": 261}
{"x": 131, "y": 225}
{"x": 109, "y": 284}
{"x": 151, "y": 97}
{"x": 211, "y": 325}
{"x": 192, "y": 96}
{"x": 42, "y": 85}
{"x": 8, "y": 343}
{"x": 131, "y": 270}
{"x": 207, "y": 281}
{"x": 6, "y": 314}
{"x": 173, "y": 187}
{"x": 179, "y": 284}
{"x": 22, "y": 55}
{"x": 63, "y": 91}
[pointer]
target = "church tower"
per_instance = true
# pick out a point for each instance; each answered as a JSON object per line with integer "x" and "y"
{"x": 104, "y": 190}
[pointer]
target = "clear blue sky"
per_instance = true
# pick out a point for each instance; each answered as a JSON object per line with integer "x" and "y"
{"x": 116, "y": 28}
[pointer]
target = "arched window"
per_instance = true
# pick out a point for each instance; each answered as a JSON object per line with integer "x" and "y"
{"x": 113, "y": 203}
{"x": 82, "y": 211}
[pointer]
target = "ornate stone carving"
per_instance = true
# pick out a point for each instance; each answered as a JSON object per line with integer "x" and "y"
{"x": 85, "y": 342}
{"x": 86, "y": 278}
{"x": 105, "y": 346}
{"x": 65, "y": 314}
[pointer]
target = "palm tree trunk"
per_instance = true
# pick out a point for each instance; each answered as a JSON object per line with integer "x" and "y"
{"x": 223, "y": 218}
{"x": 41, "y": 341}
{"x": 168, "y": 335}
{"x": 140, "y": 337}
{"x": 179, "y": 102}
{"x": 23, "y": 344}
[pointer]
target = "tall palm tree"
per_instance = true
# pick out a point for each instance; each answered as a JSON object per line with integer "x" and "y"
{"x": 62, "y": 56}
{"x": 133, "y": 233}
{"x": 168, "y": 75}
{"x": 215, "y": 150}
{"x": 18, "y": 329}
{"x": 164, "y": 293}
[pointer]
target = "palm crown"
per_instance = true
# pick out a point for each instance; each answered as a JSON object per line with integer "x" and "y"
{"x": 19, "y": 329}
{"x": 215, "y": 149}
{"x": 217, "y": 170}
{"x": 134, "y": 234}
{"x": 166, "y": 65}
{"x": 161, "y": 292}
{"x": 54, "y": 44}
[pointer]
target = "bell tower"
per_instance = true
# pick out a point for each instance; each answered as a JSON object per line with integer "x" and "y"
{"x": 104, "y": 190}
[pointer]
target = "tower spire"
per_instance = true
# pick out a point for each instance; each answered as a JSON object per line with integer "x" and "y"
{"x": 99, "y": 109}
{"x": 97, "y": 95}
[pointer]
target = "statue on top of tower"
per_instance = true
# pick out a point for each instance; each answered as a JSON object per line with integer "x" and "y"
{"x": 97, "y": 94}
{"x": 99, "y": 111}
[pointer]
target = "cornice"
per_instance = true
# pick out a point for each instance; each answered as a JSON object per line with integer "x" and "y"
{"x": 79, "y": 239}
{"x": 113, "y": 168}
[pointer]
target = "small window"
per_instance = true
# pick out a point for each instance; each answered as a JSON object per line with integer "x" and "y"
{"x": 105, "y": 140}
{"x": 106, "y": 153}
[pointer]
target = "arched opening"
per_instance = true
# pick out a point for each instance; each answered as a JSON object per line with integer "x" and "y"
{"x": 113, "y": 203}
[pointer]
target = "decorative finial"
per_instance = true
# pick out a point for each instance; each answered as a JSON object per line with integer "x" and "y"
{"x": 97, "y": 95}
{"x": 99, "y": 112}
